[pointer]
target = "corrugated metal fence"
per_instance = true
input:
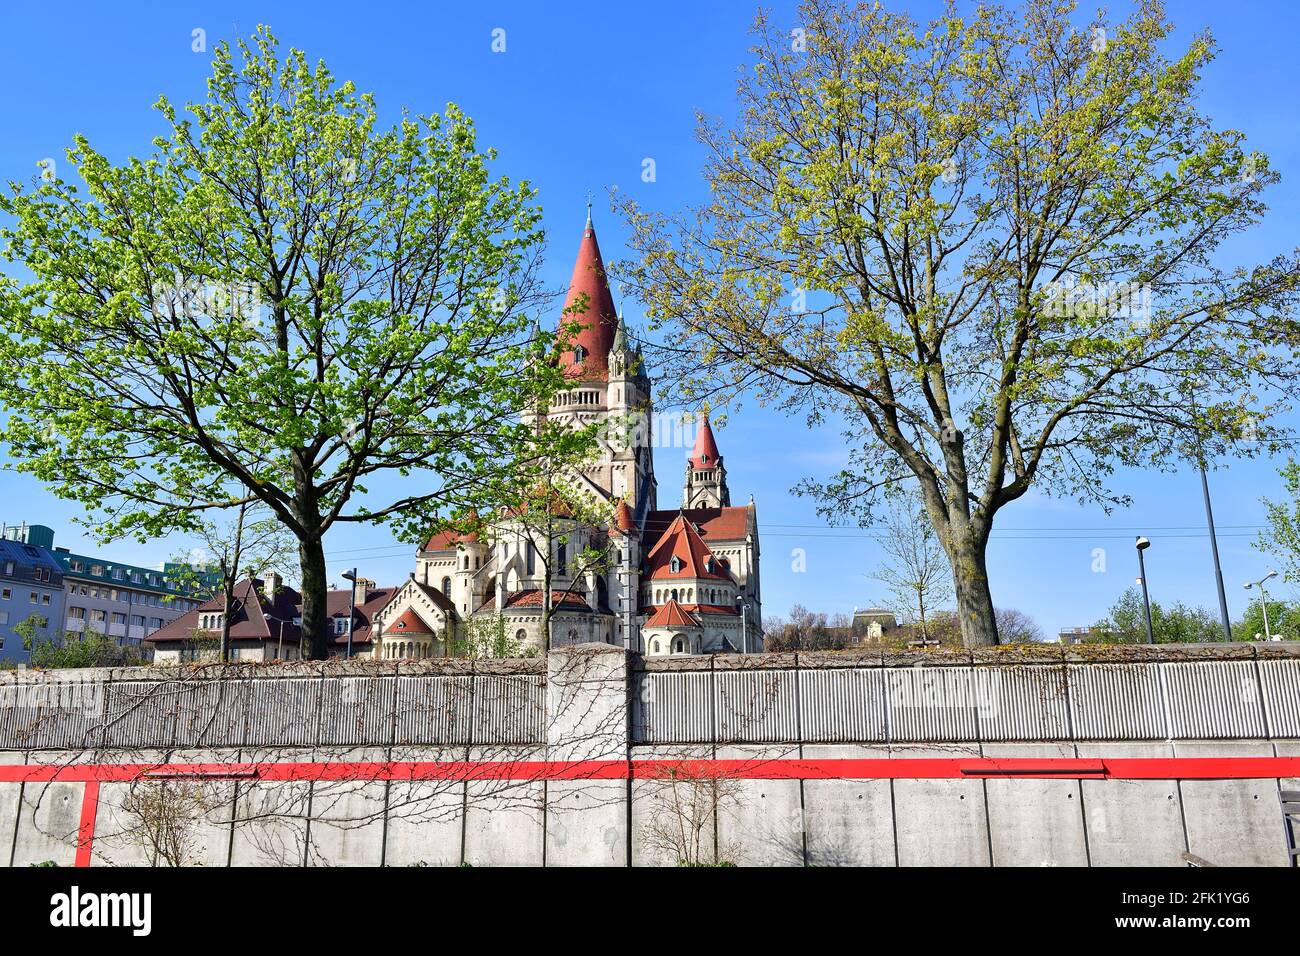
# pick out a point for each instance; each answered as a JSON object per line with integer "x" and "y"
{"x": 1103, "y": 700}
{"x": 1239, "y": 694}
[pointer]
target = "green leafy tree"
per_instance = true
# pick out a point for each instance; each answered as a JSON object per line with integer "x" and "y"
{"x": 487, "y": 637}
{"x": 1282, "y": 535}
{"x": 1283, "y": 621}
{"x": 1177, "y": 624}
{"x": 987, "y": 246}
{"x": 282, "y": 304}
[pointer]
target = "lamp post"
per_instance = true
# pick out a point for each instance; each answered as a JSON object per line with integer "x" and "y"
{"x": 744, "y": 624}
{"x": 351, "y": 576}
{"x": 1141, "y": 545}
{"x": 1263, "y": 599}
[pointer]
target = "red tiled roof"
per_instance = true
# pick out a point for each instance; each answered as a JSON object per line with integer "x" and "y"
{"x": 698, "y": 609}
{"x": 409, "y": 622}
{"x": 671, "y": 614}
{"x": 714, "y": 524}
{"x": 623, "y": 522}
{"x": 705, "y": 453}
{"x": 695, "y": 560}
{"x": 598, "y": 322}
{"x": 256, "y": 617}
{"x": 447, "y": 540}
{"x": 532, "y": 597}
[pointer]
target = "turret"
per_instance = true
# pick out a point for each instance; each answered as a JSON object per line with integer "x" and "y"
{"x": 706, "y": 476}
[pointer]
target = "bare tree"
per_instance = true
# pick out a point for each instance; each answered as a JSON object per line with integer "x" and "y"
{"x": 1017, "y": 627}
{"x": 254, "y": 543}
{"x": 685, "y": 804}
{"x": 915, "y": 569}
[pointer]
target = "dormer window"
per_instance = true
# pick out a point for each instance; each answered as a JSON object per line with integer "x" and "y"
{"x": 704, "y": 459}
{"x": 708, "y": 564}
{"x": 579, "y": 353}
{"x": 676, "y": 564}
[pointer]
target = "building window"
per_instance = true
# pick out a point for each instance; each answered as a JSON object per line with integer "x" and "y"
{"x": 579, "y": 353}
{"x": 7, "y": 593}
{"x": 9, "y": 568}
{"x": 33, "y": 598}
{"x": 676, "y": 564}
{"x": 446, "y": 586}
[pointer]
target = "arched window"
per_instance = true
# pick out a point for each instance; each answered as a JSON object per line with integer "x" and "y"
{"x": 532, "y": 558}
{"x": 678, "y": 646}
{"x": 655, "y": 646}
{"x": 446, "y": 586}
{"x": 573, "y": 635}
{"x": 579, "y": 353}
{"x": 562, "y": 558}
{"x": 676, "y": 564}
{"x": 673, "y": 594}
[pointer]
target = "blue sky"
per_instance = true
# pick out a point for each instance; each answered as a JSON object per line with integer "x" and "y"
{"x": 583, "y": 93}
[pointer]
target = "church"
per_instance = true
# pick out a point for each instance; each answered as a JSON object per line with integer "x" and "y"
{"x": 681, "y": 580}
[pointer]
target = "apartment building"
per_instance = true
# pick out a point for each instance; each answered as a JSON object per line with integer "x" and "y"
{"x": 31, "y": 587}
{"x": 109, "y": 597}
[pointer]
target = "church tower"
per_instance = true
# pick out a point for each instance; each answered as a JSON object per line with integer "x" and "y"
{"x": 706, "y": 476}
{"x": 609, "y": 383}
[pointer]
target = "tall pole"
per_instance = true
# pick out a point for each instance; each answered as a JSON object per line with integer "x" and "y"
{"x": 1263, "y": 604}
{"x": 1214, "y": 538}
{"x": 1214, "y": 550}
{"x": 352, "y": 609}
{"x": 1146, "y": 596}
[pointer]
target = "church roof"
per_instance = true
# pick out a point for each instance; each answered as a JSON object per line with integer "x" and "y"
{"x": 409, "y": 622}
{"x": 533, "y": 597}
{"x": 671, "y": 615}
{"x": 598, "y": 322}
{"x": 705, "y": 454}
{"x": 623, "y": 522}
{"x": 714, "y": 524}
{"x": 682, "y": 553}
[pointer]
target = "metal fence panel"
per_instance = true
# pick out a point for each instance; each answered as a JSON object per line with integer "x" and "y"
{"x": 1117, "y": 702}
{"x": 756, "y": 706}
{"x": 1213, "y": 699}
{"x": 842, "y": 705}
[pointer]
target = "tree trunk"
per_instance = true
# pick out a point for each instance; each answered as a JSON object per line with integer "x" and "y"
{"x": 311, "y": 560}
{"x": 227, "y": 602}
{"x": 971, "y": 581}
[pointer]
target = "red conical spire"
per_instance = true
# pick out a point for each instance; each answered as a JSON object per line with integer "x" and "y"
{"x": 705, "y": 453}
{"x": 598, "y": 322}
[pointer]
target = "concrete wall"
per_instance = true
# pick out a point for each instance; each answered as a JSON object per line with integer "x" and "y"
{"x": 598, "y": 707}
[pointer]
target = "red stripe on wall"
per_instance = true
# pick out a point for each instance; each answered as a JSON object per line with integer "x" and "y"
{"x": 785, "y": 768}
{"x": 86, "y": 829}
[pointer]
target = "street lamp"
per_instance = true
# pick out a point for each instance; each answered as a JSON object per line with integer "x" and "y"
{"x": 1142, "y": 545}
{"x": 1263, "y": 599}
{"x": 351, "y": 576}
{"x": 744, "y": 624}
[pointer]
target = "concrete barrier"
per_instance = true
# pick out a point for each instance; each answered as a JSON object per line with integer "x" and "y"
{"x": 1010, "y": 757}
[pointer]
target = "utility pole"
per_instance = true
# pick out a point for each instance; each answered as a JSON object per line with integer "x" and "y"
{"x": 1214, "y": 540}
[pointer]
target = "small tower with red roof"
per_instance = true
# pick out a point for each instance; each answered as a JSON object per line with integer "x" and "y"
{"x": 706, "y": 476}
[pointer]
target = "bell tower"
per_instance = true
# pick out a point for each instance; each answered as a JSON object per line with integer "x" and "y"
{"x": 706, "y": 476}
